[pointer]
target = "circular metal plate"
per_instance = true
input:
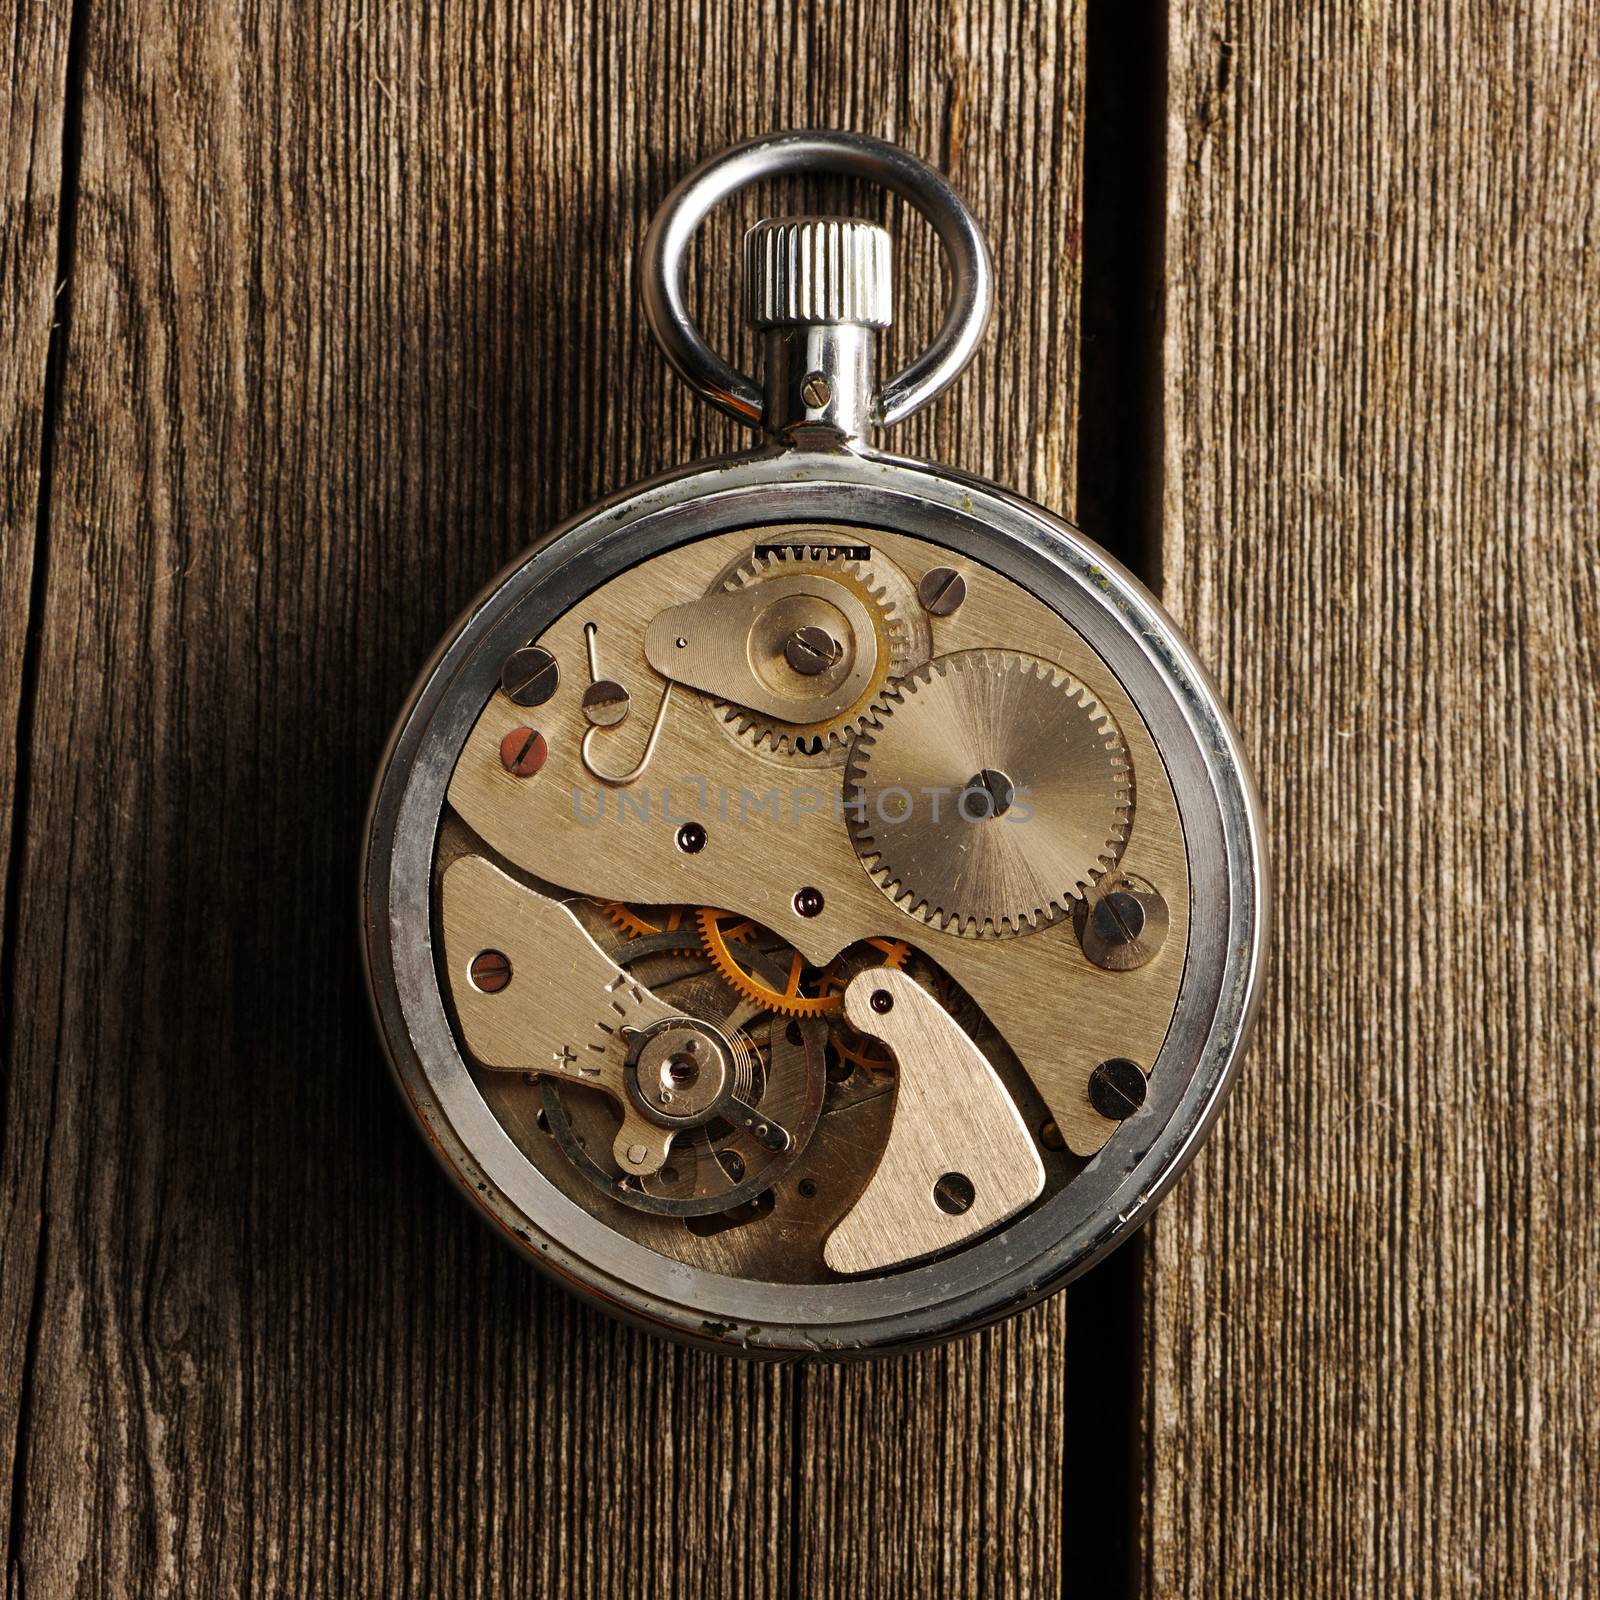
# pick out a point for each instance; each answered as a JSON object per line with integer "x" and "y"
{"x": 1046, "y": 1246}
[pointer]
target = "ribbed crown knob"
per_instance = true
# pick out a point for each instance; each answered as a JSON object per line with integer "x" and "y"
{"x": 801, "y": 271}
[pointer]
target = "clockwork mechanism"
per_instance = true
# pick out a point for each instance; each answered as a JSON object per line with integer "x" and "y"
{"x": 883, "y": 828}
{"x": 723, "y": 1062}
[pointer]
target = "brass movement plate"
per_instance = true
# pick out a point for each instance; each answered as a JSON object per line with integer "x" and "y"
{"x": 719, "y": 817}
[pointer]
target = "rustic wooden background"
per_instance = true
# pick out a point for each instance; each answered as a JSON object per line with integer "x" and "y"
{"x": 315, "y": 314}
{"x": 1373, "y": 1358}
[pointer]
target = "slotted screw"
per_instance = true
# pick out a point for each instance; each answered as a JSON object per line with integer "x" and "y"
{"x": 811, "y": 650}
{"x": 523, "y": 752}
{"x": 491, "y": 971}
{"x": 1116, "y": 1088}
{"x": 941, "y": 591}
{"x": 530, "y": 675}
{"x": 815, "y": 390}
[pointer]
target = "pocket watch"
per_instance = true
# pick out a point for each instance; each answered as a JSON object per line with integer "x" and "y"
{"x": 812, "y": 901}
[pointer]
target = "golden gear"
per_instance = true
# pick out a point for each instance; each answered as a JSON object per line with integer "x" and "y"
{"x": 717, "y": 928}
{"x": 992, "y": 790}
{"x": 864, "y": 1054}
{"x": 903, "y": 643}
{"x": 632, "y": 921}
{"x": 637, "y": 926}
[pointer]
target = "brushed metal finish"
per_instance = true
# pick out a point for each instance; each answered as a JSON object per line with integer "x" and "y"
{"x": 563, "y": 1012}
{"x": 759, "y": 839}
{"x": 952, "y": 1115}
{"x": 935, "y": 840}
{"x": 734, "y": 646}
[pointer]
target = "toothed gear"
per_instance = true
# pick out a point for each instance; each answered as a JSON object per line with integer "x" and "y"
{"x": 657, "y": 922}
{"x": 903, "y": 644}
{"x": 992, "y": 790}
{"x": 660, "y": 919}
{"x": 717, "y": 928}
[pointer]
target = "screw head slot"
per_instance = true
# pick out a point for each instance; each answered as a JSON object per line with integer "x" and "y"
{"x": 605, "y": 704}
{"x": 1117, "y": 1088}
{"x": 816, "y": 391}
{"x": 530, "y": 675}
{"x": 490, "y": 971}
{"x": 523, "y": 752}
{"x": 942, "y": 591}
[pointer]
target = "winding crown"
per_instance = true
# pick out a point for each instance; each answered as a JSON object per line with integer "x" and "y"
{"x": 807, "y": 270}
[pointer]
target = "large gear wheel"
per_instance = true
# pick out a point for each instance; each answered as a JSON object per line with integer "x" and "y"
{"x": 798, "y": 997}
{"x": 992, "y": 792}
{"x": 903, "y": 643}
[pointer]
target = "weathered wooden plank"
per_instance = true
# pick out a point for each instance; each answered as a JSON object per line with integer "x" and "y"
{"x": 353, "y": 320}
{"x": 940, "y": 1473}
{"x": 1375, "y": 1321}
{"x": 33, "y": 128}
{"x": 33, "y": 103}
{"x": 33, "y": 120}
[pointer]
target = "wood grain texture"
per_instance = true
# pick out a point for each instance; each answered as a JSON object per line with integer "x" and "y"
{"x": 938, "y": 1474}
{"x": 33, "y": 113}
{"x": 1374, "y": 1331}
{"x": 33, "y": 133}
{"x": 353, "y": 320}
